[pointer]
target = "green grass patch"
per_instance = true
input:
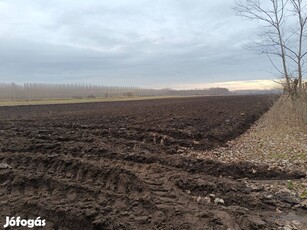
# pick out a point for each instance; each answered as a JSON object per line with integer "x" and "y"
{"x": 304, "y": 195}
{"x": 290, "y": 185}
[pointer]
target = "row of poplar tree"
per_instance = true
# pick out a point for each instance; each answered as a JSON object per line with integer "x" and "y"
{"x": 30, "y": 91}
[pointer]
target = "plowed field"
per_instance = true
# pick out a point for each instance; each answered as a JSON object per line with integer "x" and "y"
{"x": 116, "y": 165}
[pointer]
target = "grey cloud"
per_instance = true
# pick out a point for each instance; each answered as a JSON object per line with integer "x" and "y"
{"x": 152, "y": 43}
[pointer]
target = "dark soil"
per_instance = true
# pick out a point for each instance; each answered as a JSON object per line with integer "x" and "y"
{"x": 116, "y": 165}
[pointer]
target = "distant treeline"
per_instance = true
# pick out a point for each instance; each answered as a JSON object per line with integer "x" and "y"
{"x": 34, "y": 91}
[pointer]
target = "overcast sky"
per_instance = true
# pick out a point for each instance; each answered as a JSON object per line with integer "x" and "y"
{"x": 161, "y": 43}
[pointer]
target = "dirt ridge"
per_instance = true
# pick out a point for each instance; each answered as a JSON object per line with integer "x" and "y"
{"x": 115, "y": 167}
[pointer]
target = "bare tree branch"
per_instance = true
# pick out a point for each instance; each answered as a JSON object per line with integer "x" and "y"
{"x": 279, "y": 37}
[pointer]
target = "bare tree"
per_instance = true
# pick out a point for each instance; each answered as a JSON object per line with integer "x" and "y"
{"x": 299, "y": 9}
{"x": 281, "y": 36}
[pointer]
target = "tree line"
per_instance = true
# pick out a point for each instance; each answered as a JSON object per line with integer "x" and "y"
{"x": 36, "y": 91}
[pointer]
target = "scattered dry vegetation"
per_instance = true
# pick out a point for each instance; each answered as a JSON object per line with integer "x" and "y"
{"x": 300, "y": 106}
{"x": 77, "y": 100}
{"x": 279, "y": 139}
